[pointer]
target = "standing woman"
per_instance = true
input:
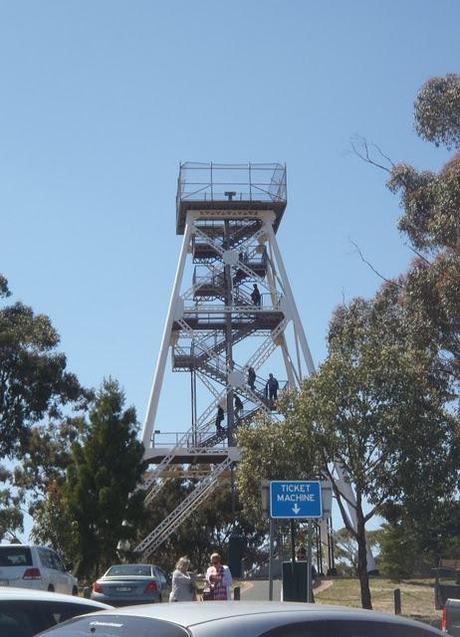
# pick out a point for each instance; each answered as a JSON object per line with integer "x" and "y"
{"x": 219, "y": 578}
{"x": 183, "y": 584}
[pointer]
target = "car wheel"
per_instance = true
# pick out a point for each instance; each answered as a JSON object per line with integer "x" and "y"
{"x": 74, "y": 590}
{"x": 51, "y": 588}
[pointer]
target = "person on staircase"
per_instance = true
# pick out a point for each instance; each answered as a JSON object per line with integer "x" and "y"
{"x": 251, "y": 378}
{"x": 256, "y": 297}
{"x": 238, "y": 407}
{"x": 219, "y": 419}
{"x": 271, "y": 389}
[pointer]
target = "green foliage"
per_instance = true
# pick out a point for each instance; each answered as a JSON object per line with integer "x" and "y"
{"x": 430, "y": 202}
{"x": 99, "y": 499}
{"x": 53, "y": 525}
{"x": 421, "y": 311}
{"x": 399, "y": 555}
{"x": 380, "y": 405}
{"x": 4, "y": 290}
{"x": 281, "y": 451}
{"x": 346, "y": 549}
{"x": 34, "y": 382}
{"x": 437, "y": 110}
{"x": 431, "y": 222}
{"x": 376, "y": 407}
{"x": 35, "y": 390}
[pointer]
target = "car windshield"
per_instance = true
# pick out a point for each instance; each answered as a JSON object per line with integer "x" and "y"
{"x": 15, "y": 556}
{"x": 129, "y": 569}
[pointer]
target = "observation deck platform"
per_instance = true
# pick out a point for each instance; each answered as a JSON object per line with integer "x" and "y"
{"x": 233, "y": 188}
{"x": 246, "y": 319}
{"x": 192, "y": 455}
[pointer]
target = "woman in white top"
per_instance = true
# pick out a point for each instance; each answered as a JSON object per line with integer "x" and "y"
{"x": 183, "y": 585}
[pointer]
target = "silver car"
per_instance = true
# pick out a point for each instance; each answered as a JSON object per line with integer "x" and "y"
{"x": 241, "y": 619}
{"x": 125, "y": 584}
{"x": 24, "y": 612}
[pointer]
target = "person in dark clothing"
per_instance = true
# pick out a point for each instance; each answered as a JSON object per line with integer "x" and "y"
{"x": 301, "y": 553}
{"x": 251, "y": 378}
{"x": 238, "y": 406}
{"x": 219, "y": 419}
{"x": 256, "y": 296}
{"x": 271, "y": 388}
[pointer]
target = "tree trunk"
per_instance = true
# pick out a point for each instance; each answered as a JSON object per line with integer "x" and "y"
{"x": 362, "y": 560}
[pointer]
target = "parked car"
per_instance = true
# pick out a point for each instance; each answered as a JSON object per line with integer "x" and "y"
{"x": 125, "y": 584}
{"x": 30, "y": 566}
{"x": 24, "y": 612}
{"x": 450, "y": 622}
{"x": 251, "y": 619}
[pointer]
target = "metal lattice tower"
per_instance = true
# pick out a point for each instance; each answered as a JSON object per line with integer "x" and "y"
{"x": 216, "y": 329}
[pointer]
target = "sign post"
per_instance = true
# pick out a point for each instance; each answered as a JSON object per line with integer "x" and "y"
{"x": 297, "y": 500}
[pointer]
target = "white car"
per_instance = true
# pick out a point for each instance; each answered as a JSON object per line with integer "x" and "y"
{"x": 24, "y": 613}
{"x": 30, "y": 566}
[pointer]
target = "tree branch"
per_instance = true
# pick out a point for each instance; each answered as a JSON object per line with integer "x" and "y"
{"x": 369, "y": 264}
{"x": 360, "y": 148}
{"x": 419, "y": 254}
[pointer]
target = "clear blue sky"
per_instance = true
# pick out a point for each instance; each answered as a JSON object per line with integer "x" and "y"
{"x": 101, "y": 100}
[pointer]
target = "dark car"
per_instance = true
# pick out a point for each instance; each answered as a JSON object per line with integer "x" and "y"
{"x": 125, "y": 584}
{"x": 241, "y": 619}
{"x": 24, "y": 613}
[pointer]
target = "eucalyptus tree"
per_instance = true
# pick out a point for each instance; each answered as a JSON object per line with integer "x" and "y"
{"x": 37, "y": 394}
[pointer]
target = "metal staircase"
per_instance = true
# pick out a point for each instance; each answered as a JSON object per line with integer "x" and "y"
{"x": 182, "y": 512}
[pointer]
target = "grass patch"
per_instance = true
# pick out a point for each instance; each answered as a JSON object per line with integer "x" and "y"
{"x": 417, "y": 596}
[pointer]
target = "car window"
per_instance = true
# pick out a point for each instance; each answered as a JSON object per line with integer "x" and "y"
{"x": 348, "y": 628}
{"x": 116, "y": 626}
{"x": 162, "y": 576}
{"x": 27, "y": 618}
{"x": 57, "y": 562}
{"x": 129, "y": 569}
{"x": 46, "y": 558}
{"x": 15, "y": 556}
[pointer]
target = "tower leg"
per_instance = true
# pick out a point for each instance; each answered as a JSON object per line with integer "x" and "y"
{"x": 154, "y": 397}
{"x": 290, "y": 300}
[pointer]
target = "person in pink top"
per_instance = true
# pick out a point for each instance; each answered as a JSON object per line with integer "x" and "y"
{"x": 219, "y": 578}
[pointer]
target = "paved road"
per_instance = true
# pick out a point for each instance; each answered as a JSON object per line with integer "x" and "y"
{"x": 258, "y": 590}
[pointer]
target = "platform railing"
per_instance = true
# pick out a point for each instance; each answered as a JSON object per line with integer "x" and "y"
{"x": 232, "y": 182}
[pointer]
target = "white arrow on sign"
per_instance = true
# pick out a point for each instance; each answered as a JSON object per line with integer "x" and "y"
{"x": 296, "y": 508}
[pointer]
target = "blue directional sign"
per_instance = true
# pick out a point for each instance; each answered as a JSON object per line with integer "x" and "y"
{"x": 295, "y": 499}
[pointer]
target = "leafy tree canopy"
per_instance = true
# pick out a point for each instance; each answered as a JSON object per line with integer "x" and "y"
{"x": 281, "y": 451}
{"x": 37, "y": 393}
{"x": 98, "y": 505}
{"x": 34, "y": 382}
{"x": 437, "y": 111}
